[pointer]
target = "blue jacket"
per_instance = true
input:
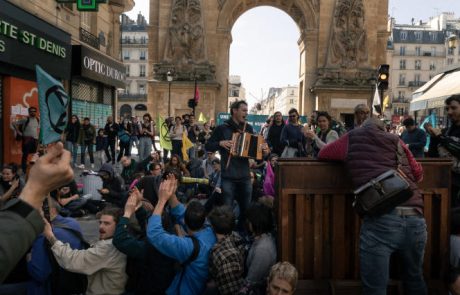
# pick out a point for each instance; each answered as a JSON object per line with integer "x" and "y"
{"x": 416, "y": 141}
{"x": 39, "y": 267}
{"x": 180, "y": 248}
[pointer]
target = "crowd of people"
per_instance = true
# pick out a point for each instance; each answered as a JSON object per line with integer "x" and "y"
{"x": 199, "y": 220}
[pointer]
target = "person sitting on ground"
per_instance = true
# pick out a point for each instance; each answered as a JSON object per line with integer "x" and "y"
{"x": 129, "y": 169}
{"x": 226, "y": 261}
{"x": 145, "y": 164}
{"x": 20, "y": 218}
{"x": 176, "y": 163}
{"x": 150, "y": 272}
{"x": 207, "y": 164}
{"x": 112, "y": 190}
{"x": 191, "y": 251}
{"x": 282, "y": 279}
{"x": 69, "y": 199}
{"x": 262, "y": 254}
{"x": 42, "y": 266}
{"x": 10, "y": 184}
{"x": 102, "y": 262}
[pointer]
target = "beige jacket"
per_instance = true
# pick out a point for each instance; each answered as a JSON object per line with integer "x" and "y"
{"x": 103, "y": 263}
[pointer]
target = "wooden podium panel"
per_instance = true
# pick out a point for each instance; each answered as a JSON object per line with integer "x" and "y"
{"x": 318, "y": 230}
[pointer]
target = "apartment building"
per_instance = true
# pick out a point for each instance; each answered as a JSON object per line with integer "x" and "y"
{"x": 81, "y": 49}
{"x": 132, "y": 101}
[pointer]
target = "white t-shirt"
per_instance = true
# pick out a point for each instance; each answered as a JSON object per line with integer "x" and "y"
{"x": 176, "y": 133}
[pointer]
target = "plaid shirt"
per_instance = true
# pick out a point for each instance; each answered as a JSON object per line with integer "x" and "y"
{"x": 226, "y": 264}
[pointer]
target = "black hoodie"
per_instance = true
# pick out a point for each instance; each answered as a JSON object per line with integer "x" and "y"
{"x": 238, "y": 168}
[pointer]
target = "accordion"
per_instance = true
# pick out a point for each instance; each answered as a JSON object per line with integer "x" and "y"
{"x": 247, "y": 145}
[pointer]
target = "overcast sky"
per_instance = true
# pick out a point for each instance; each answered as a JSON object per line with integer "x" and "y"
{"x": 264, "y": 51}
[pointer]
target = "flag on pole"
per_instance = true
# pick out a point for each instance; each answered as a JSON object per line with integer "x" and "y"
{"x": 432, "y": 120}
{"x": 53, "y": 102}
{"x": 165, "y": 140}
{"x": 197, "y": 93}
{"x": 376, "y": 108}
{"x": 269, "y": 182}
{"x": 386, "y": 103}
{"x": 202, "y": 118}
{"x": 186, "y": 144}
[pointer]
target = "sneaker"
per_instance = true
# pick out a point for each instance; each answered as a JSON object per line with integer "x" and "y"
{"x": 92, "y": 165}
{"x": 82, "y": 166}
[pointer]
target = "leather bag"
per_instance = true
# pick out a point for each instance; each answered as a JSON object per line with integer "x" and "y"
{"x": 381, "y": 194}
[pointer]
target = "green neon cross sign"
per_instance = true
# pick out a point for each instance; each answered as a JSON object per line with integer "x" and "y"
{"x": 85, "y": 5}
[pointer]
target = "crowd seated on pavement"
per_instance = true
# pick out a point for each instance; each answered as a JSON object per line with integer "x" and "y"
{"x": 160, "y": 234}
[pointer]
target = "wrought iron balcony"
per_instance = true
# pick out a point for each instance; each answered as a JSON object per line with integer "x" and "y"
{"x": 89, "y": 38}
{"x": 416, "y": 83}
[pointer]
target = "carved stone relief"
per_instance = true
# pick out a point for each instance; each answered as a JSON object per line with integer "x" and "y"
{"x": 348, "y": 45}
{"x": 186, "y": 40}
{"x": 221, "y": 3}
{"x": 185, "y": 53}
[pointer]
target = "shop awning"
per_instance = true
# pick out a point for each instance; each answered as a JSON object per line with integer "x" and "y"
{"x": 434, "y": 92}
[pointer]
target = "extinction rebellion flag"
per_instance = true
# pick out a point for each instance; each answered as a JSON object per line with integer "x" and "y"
{"x": 52, "y": 101}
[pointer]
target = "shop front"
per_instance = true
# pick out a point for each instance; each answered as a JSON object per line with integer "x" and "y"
{"x": 95, "y": 79}
{"x": 26, "y": 41}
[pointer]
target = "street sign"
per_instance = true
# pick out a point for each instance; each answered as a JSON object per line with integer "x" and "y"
{"x": 256, "y": 121}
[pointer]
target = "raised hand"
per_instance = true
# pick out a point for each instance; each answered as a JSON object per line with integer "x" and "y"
{"x": 50, "y": 172}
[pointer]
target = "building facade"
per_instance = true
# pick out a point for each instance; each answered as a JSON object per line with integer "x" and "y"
{"x": 287, "y": 99}
{"x": 134, "y": 39}
{"x": 236, "y": 90}
{"x": 81, "y": 49}
{"x": 416, "y": 53}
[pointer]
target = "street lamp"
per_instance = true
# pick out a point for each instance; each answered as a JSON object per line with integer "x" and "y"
{"x": 169, "y": 77}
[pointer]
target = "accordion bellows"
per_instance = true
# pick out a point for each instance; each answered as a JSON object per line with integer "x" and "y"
{"x": 247, "y": 145}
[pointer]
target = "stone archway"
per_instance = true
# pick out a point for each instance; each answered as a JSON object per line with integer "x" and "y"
{"x": 341, "y": 44}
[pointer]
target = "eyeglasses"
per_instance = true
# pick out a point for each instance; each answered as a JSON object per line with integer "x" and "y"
{"x": 292, "y": 116}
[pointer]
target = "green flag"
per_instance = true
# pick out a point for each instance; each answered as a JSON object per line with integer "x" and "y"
{"x": 165, "y": 140}
{"x": 53, "y": 101}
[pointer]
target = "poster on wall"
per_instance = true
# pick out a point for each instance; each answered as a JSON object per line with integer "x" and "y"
{"x": 97, "y": 112}
{"x": 18, "y": 96}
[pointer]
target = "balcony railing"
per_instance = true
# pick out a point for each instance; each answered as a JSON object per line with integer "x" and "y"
{"x": 134, "y": 42}
{"x": 416, "y": 83}
{"x": 132, "y": 96}
{"x": 401, "y": 100}
{"x": 89, "y": 38}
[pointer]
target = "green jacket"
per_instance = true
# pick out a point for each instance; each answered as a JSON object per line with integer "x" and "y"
{"x": 87, "y": 135}
{"x": 20, "y": 225}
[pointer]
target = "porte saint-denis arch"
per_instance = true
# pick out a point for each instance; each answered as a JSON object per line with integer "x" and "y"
{"x": 341, "y": 44}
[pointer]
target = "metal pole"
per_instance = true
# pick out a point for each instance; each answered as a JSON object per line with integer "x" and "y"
{"x": 169, "y": 99}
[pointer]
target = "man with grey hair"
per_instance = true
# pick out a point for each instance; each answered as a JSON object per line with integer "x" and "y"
{"x": 361, "y": 114}
{"x": 368, "y": 152}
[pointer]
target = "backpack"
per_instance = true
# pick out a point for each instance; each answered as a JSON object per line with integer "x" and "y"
{"x": 64, "y": 282}
{"x": 123, "y": 136}
{"x": 22, "y": 127}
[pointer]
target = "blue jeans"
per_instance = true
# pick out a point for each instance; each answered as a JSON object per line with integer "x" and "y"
{"x": 72, "y": 147}
{"x": 380, "y": 237}
{"x": 241, "y": 191}
{"x": 144, "y": 147}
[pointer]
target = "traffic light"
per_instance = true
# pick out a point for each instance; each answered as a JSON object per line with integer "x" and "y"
{"x": 383, "y": 77}
{"x": 192, "y": 103}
